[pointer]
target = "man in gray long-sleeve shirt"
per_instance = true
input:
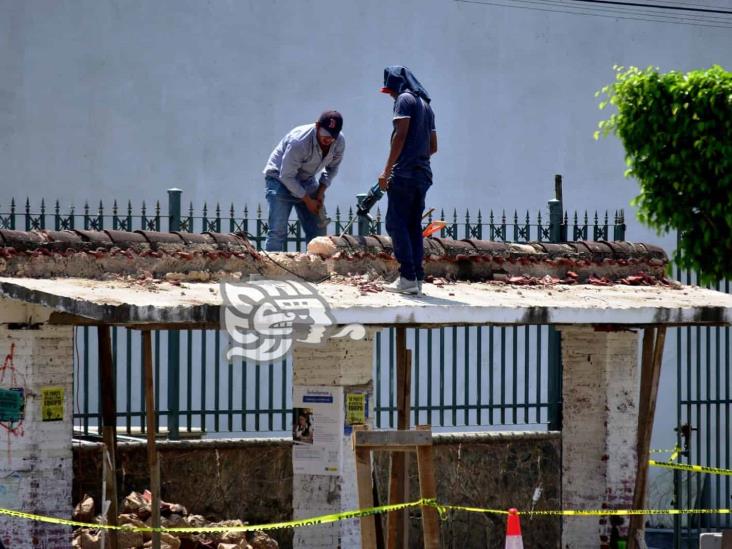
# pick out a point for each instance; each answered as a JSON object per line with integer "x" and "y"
{"x": 290, "y": 178}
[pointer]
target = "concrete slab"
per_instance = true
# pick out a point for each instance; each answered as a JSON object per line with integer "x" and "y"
{"x": 130, "y": 302}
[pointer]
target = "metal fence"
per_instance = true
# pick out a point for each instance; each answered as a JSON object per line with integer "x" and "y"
{"x": 463, "y": 376}
{"x": 704, "y": 404}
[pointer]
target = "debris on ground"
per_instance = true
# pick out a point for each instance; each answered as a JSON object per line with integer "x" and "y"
{"x": 136, "y": 513}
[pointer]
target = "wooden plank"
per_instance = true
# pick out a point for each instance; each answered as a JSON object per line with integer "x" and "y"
{"x": 652, "y": 358}
{"x": 428, "y": 490}
{"x": 365, "y": 491}
{"x": 392, "y": 440}
{"x": 152, "y": 452}
{"x": 397, "y": 534}
{"x": 109, "y": 423}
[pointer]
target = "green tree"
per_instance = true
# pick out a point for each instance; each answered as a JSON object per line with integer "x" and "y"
{"x": 677, "y": 132}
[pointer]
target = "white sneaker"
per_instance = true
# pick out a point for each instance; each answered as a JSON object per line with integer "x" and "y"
{"x": 403, "y": 286}
{"x": 419, "y": 287}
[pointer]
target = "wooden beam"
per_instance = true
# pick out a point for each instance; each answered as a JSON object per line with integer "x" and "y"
{"x": 652, "y": 358}
{"x": 109, "y": 424}
{"x": 152, "y": 452}
{"x": 392, "y": 440}
{"x": 397, "y": 521}
{"x": 428, "y": 490}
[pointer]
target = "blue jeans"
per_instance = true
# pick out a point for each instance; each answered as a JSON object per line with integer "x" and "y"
{"x": 404, "y": 222}
{"x": 281, "y": 201}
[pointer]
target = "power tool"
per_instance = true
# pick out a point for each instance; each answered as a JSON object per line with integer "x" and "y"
{"x": 364, "y": 207}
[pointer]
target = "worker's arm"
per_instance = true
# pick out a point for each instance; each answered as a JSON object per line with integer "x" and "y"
{"x": 292, "y": 159}
{"x": 433, "y": 131}
{"x": 398, "y": 138}
{"x": 331, "y": 170}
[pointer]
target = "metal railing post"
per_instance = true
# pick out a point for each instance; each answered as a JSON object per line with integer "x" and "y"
{"x": 174, "y": 213}
{"x": 556, "y": 234}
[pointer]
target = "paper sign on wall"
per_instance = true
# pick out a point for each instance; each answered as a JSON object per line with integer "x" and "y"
{"x": 52, "y": 403}
{"x": 316, "y": 430}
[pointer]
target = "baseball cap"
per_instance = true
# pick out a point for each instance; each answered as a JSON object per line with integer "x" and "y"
{"x": 332, "y": 122}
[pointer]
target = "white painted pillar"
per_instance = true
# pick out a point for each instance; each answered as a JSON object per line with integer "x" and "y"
{"x": 339, "y": 367}
{"x": 35, "y": 454}
{"x": 599, "y": 429}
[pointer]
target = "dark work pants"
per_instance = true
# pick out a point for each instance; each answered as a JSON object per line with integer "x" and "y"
{"x": 404, "y": 222}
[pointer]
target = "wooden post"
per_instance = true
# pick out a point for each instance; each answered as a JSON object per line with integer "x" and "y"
{"x": 152, "y": 453}
{"x": 397, "y": 521}
{"x": 428, "y": 490}
{"x": 109, "y": 423}
{"x": 651, "y": 371}
{"x": 365, "y": 491}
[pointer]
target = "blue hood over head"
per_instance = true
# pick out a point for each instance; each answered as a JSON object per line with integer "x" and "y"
{"x": 400, "y": 79}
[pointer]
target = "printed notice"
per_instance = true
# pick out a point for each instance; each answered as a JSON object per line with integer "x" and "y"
{"x": 356, "y": 410}
{"x": 316, "y": 430}
{"x": 52, "y": 403}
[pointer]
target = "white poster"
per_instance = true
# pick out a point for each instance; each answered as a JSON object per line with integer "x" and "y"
{"x": 317, "y": 427}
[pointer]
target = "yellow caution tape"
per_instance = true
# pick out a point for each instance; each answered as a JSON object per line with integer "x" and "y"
{"x": 334, "y": 517}
{"x": 312, "y": 521}
{"x": 625, "y": 512}
{"x": 692, "y": 468}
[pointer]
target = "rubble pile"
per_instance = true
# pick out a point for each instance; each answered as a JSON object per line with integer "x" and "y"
{"x": 136, "y": 513}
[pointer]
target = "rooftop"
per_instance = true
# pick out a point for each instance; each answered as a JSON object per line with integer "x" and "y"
{"x": 185, "y": 305}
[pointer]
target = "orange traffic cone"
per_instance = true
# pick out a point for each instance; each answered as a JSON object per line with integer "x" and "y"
{"x": 513, "y": 531}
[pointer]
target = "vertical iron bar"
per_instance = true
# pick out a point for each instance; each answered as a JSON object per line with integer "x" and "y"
{"x": 128, "y": 380}
{"x": 527, "y": 374}
{"x": 429, "y": 376}
{"x": 156, "y": 368}
{"x": 270, "y": 395}
{"x": 230, "y": 395}
{"x": 85, "y": 390}
{"x": 479, "y": 374}
{"x": 538, "y": 376}
{"x": 466, "y": 380}
{"x": 491, "y": 386}
{"x": 204, "y": 376}
{"x": 189, "y": 377}
{"x": 244, "y": 387}
{"x": 442, "y": 376}
{"x": 503, "y": 375}
{"x": 217, "y": 378}
{"x": 514, "y": 381}
{"x": 378, "y": 388}
{"x": 454, "y": 375}
{"x": 415, "y": 408}
{"x": 283, "y": 396}
{"x": 257, "y": 395}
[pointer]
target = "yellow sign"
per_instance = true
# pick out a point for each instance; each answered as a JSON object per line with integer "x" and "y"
{"x": 52, "y": 403}
{"x": 355, "y": 408}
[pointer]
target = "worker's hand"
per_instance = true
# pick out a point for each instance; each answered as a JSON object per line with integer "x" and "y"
{"x": 312, "y": 204}
{"x": 383, "y": 182}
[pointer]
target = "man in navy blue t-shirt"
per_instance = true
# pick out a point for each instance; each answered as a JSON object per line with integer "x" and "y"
{"x": 407, "y": 174}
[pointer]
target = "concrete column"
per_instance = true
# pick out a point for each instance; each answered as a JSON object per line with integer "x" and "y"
{"x": 346, "y": 367}
{"x": 599, "y": 433}
{"x": 36, "y": 360}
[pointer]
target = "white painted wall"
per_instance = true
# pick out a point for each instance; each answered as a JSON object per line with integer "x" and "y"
{"x": 103, "y": 99}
